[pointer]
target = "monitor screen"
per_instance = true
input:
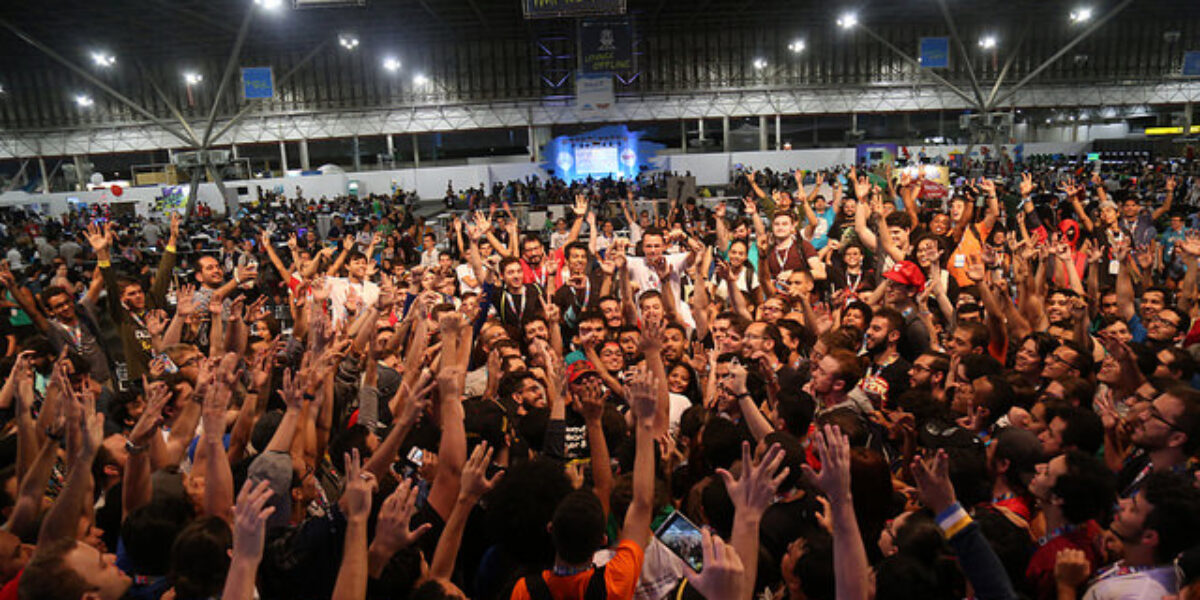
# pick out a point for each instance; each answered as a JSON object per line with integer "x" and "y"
{"x": 597, "y": 159}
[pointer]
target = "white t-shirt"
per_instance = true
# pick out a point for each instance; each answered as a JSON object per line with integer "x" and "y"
{"x": 462, "y": 272}
{"x": 646, "y": 279}
{"x": 339, "y": 291}
{"x": 1151, "y": 584}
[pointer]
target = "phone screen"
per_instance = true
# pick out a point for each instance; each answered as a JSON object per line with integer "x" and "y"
{"x": 683, "y": 538}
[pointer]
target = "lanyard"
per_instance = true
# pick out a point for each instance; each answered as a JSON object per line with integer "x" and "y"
{"x": 853, "y": 287}
{"x": 781, "y": 258}
{"x": 587, "y": 292}
{"x": 512, "y": 301}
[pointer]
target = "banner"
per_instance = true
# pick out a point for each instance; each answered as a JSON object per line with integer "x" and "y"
{"x": 934, "y": 53}
{"x": 605, "y": 46}
{"x": 258, "y": 83}
{"x": 594, "y": 94}
{"x": 1191, "y": 63}
{"x": 543, "y": 9}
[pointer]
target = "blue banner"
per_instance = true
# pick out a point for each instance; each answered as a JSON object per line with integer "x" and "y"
{"x": 1191, "y": 63}
{"x": 934, "y": 53}
{"x": 258, "y": 83}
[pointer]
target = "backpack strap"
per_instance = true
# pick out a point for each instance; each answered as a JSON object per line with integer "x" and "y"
{"x": 597, "y": 588}
{"x": 536, "y": 586}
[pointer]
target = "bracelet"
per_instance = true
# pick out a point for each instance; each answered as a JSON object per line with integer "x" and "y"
{"x": 170, "y": 248}
{"x": 134, "y": 449}
{"x": 104, "y": 264}
{"x": 54, "y": 435}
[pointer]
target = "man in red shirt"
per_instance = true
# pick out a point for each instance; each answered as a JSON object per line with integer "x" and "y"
{"x": 1072, "y": 490}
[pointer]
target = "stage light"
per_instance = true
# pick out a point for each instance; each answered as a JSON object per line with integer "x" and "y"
{"x": 348, "y": 41}
{"x": 1081, "y": 15}
{"x": 103, "y": 59}
{"x": 391, "y": 63}
{"x": 847, "y": 20}
{"x": 796, "y": 46}
{"x": 269, "y": 4}
{"x": 987, "y": 42}
{"x": 760, "y": 63}
{"x": 420, "y": 79}
{"x": 192, "y": 78}
{"x": 84, "y": 101}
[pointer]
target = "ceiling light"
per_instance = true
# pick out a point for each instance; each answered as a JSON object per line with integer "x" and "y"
{"x": 1081, "y": 15}
{"x": 847, "y": 20}
{"x": 269, "y": 4}
{"x": 987, "y": 42}
{"x": 192, "y": 78}
{"x": 391, "y": 63}
{"x": 420, "y": 79}
{"x": 84, "y": 101}
{"x": 103, "y": 59}
{"x": 348, "y": 41}
{"x": 760, "y": 63}
{"x": 796, "y": 46}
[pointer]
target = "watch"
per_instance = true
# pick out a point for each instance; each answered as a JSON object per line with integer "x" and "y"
{"x": 133, "y": 448}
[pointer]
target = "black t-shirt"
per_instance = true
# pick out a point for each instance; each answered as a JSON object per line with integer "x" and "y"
{"x": 886, "y": 383}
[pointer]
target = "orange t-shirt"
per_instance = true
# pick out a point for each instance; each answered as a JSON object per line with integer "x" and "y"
{"x": 620, "y": 577}
{"x": 970, "y": 245}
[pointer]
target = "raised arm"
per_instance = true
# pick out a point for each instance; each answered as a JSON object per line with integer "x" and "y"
{"x": 850, "y": 569}
{"x": 993, "y": 204}
{"x": 249, "y": 534}
{"x": 356, "y": 505}
{"x": 452, "y": 450}
{"x": 474, "y": 484}
{"x": 62, "y": 520}
{"x": 1172, "y": 182}
{"x": 645, "y": 396}
{"x": 752, "y": 493}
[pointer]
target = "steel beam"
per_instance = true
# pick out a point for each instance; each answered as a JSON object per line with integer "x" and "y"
{"x": 962, "y": 50}
{"x": 921, "y": 71}
{"x": 229, "y": 66}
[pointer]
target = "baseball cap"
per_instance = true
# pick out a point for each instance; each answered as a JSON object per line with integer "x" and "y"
{"x": 580, "y": 368}
{"x": 906, "y": 272}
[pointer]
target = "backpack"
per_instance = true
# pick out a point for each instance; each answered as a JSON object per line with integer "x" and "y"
{"x": 596, "y": 589}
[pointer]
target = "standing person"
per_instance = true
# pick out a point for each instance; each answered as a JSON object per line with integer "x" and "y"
{"x": 887, "y": 375}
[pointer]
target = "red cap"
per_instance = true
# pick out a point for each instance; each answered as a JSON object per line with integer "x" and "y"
{"x": 906, "y": 272}
{"x": 580, "y": 368}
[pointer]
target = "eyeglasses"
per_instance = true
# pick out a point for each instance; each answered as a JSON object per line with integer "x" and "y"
{"x": 1059, "y": 359}
{"x": 921, "y": 367}
{"x": 1158, "y": 416}
{"x": 1160, "y": 319}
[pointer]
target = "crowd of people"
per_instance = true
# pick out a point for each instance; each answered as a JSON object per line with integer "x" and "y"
{"x": 835, "y": 388}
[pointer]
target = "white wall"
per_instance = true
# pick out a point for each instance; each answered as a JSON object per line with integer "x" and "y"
{"x": 430, "y": 182}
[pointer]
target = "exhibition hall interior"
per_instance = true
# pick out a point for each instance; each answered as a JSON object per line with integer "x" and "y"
{"x": 600, "y": 300}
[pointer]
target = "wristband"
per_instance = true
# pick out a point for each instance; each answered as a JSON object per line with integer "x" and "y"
{"x": 104, "y": 264}
{"x": 236, "y": 279}
{"x": 134, "y": 449}
{"x": 171, "y": 249}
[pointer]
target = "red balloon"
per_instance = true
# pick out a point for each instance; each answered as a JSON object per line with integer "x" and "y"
{"x": 117, "y": 190}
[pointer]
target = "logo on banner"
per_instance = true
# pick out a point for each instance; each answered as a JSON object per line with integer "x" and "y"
{"x": 935, "y": 53}
{"x": 606, "y": 45}
{"x": 258, "y": 83}
{"x": 594, "y": 94}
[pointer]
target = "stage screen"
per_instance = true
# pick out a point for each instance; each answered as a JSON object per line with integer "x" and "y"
{"x": 597, "y": 159}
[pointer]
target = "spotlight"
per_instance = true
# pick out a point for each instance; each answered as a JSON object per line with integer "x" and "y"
{"x": 192, "y": 78}
{"x": 84, "y": 101}
{"x": 348, "y": 41}
{"x": 760, "y": 63}
{"x": 269, "y": 4}
{"x": 420, "y": 79}
{"x": 103, "y": 59}
{"x": 1081, "y": 15}
{"x": 987, "y": 42}
{"x": 847, "y": 21}
{"x": 796, "y": 46}
{"x": 391, "y": 63}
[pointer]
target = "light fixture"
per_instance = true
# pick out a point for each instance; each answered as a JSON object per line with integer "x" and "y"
{"x": 796, "y": 46}
{"x": 269, "y": 4}
{"x": 192, "y": 78}
{"x": 84, "y": 101}
{"x": 103, "y": 59}
{"x": 391, "y": 63}
{"x": 348, "y": 41}
{"x": 420, "y": 79}
{"x": 987, "y": 42}
{"x": 760, "y": 63}
{"x": 1081, "y": 15}
{"x": 1047, "y": 121}
{"x": 847, "y": 20}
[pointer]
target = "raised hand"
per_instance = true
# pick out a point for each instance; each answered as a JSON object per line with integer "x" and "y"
{"x": 723, "y": 575}
{"x": 475, "y": 482}
{"x": 392, "y": 530}
{"x": 833, "y": 451}
{"x": 987, "y": 186}
{"x": 360, "y": 484}
{"x": 652, "y": 336}
{"x": 156, "y": 396}
{"x": 643, "y": 396}
{"x": 250, "y": 515}
{"x": 933, "y": 481}
{"x": 755, "y": 490}
{"x": 1071, "y": 568}
{"x": 591, "y": 401}
{"x": 581, "y": 205}
{"x": 96, "y": 238}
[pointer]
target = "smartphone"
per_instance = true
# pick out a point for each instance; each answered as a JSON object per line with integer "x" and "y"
{"x": 683, "y": 538}
{"x": 416, "y": 456}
